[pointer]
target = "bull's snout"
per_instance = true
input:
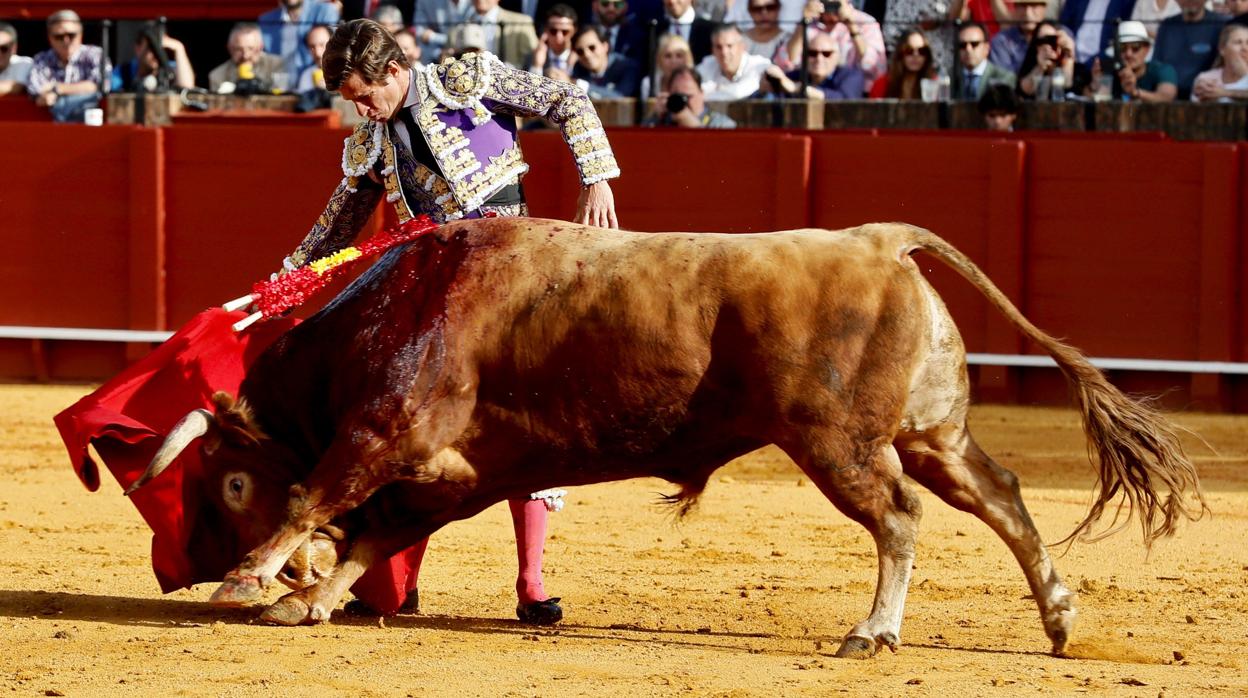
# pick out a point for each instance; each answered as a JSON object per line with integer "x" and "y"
{"x": 314, "y": 560}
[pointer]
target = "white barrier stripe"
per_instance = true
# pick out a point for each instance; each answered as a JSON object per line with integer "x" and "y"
{"x": 84, "y": 334}
{"x": 1159, "y": 365}
{"x": 1025, "y": 361}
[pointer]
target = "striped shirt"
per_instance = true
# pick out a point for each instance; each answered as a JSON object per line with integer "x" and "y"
{"x": 87, "y": 63}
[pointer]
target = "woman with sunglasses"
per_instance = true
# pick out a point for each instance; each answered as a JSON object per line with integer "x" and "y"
{"x": 1048, "y": 69}
{"x": 910, "y": 63}
{"x": 1228, "y": 80}
{"x": 673, "y": 53}
{"x": 766, "y": 38}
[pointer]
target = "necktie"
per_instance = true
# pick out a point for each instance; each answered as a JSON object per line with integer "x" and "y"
{"x": 420, "y": 148}
{"x": 972, "y": 82}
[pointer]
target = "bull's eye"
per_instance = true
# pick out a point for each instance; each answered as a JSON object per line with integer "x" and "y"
{"x": 236, "y": 491}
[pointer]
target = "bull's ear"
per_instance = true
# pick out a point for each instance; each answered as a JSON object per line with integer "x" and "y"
{"x": 235, "y": 421}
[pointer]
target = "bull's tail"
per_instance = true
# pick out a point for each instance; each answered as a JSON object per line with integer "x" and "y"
{"x": 1137, "y": 450}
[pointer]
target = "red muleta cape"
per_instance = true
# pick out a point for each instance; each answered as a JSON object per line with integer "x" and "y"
{"x": 128, "y": 417}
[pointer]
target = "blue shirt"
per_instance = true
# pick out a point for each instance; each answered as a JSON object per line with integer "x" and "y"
{"x": 1188, "y": 47}
{"x": 1009, "y": 47}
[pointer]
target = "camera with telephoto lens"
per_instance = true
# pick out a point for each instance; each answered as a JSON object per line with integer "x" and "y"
{"x": 676, "y": 102}
{"x": 832, "y": 7}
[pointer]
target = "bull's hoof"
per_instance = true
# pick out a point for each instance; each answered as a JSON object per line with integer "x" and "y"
{"x": 546, "y": 612}
{"x": 237, "y": 590}
{"x": 857, "y": 647}
{"x": 288, "y": 610}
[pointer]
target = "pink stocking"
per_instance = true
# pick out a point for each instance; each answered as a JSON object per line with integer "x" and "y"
{"x": 528, "y": 516}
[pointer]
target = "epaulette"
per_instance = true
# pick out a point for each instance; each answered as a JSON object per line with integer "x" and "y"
{"x": 360, "y": 150}
{"x": 459, "y": 83}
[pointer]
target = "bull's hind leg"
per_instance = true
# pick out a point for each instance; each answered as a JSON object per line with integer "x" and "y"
{"x": 865, "y": 483}
{"x": 947, "y": 461}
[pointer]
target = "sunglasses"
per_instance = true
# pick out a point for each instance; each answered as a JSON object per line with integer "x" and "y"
{"x": 582, "y": 50}
{"x": 613, "y": 3}
{"x": 969, "y": 44}
{"x": 910, "y": 50}
{"x": 65, "y": 36}
{"x": 1132, "y": 48}
{"x": 812, "y": 53}
{"x": 765, "y": 8}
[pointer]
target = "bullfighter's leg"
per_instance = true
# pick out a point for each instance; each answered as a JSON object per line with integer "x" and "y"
{"x": 947, "y": 461}
{"x": 328, "y": 493}
{"x": 528, "y": 518}
{"x": 868, "y": 488}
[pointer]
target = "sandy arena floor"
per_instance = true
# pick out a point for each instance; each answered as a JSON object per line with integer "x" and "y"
{"x": 747, "y": 597}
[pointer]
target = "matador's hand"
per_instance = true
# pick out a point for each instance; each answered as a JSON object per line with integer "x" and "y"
{"x": 596, "y": 206}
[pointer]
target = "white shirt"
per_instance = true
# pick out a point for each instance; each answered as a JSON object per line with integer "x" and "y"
{"x": 18, "y": 70}
{"x": 1215, "y": 76}
{"x": 413, "y": 99}
{"x": 720, "y": 88}
{"x": 1088, "y": 38}
{"x": 683, "y": 24}
{"x": 489, "y": 23}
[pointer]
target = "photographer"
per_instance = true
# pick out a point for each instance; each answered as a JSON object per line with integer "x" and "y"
{"x": 1048, "y": 69}
{"x": 1137, "y": 78}
{"x": 858, "y": 37}
{"x": 145, "y": 65}
{"x": 681, "y": 103}
{"x": 827, "y": 80}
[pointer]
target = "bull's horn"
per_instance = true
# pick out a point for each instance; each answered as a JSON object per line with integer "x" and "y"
{"x": 194, "y": 425}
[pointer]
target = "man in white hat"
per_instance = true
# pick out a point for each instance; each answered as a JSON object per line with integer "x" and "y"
{"x": 1138, "y": 78}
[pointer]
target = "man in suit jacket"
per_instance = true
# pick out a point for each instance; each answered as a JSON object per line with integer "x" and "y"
{"x": 975, "y": 72}
{"x": 285, "y": 27}
{"x": 600, "y": 72}
{"x": 1093, "y": 31}
{"x": 508, "y": 35}
{"x": 680, "y": 18}
{"x": 626, "y": 33}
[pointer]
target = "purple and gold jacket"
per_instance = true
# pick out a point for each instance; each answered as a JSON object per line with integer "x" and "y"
{"x": 460, "y": 102}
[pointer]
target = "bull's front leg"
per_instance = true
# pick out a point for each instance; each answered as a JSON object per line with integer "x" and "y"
{"x": 315, "y": 603}
{"x": 338, "y": 484}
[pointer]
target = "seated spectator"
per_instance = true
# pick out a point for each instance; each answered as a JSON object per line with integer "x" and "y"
{"x": 681, "y": 104}
{"x": 1236, "y": 9}
{"x": 789, "y": 15}
{"x": 1048, "y": 69}
{"x": 1092, "y": 23}
{"x": 680, "y": 19}
{"x": 389, "y": 17}
{"x": 826, "y": 78}
{"x": 508, "y": 35}
{"x": 730, "y": 73}
{"x": 312, "y": 79}
{"x": 602, "y": 74}
{"x": 553, "y": 55}
{"x": 411, "y": 47}
{"x": 284, "y": 28}
{"x": 1009, "y": 46}
{"x": 766, "y": 38}
{"x": 999, "y": 107}
{"x": 974, "y": 72}
{"x": 625, "y": 33}
{"x": 66, "y": 78}
{"x": 1187, "y": 42}
{"x": 1142, "y": 79}
{"x": 249, "y": 69}
{"x": 673, "y": 53}
{"x": 435, "y": 19}
{"x": 1228, "y": 80}
{"x": 911, "y": 62}
{"x": 1152, "y": 12}
{"x": 145, "y": 64}
{"x": 857, "y": 35}
{"x": 14, "y": 69}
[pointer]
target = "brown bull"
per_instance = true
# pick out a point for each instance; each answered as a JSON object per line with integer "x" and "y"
{"x": 503, "y": 356}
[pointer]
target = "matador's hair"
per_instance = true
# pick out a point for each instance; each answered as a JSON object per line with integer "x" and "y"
{"x": 360, "y": 46}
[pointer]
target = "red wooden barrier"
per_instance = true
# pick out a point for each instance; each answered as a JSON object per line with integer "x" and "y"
{"x": 1130, "y": 248}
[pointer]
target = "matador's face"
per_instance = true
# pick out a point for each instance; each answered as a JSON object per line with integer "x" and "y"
{"x": 377, "y": 101}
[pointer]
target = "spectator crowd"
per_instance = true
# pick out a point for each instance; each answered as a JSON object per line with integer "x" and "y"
{"x": 687, "y": 55}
